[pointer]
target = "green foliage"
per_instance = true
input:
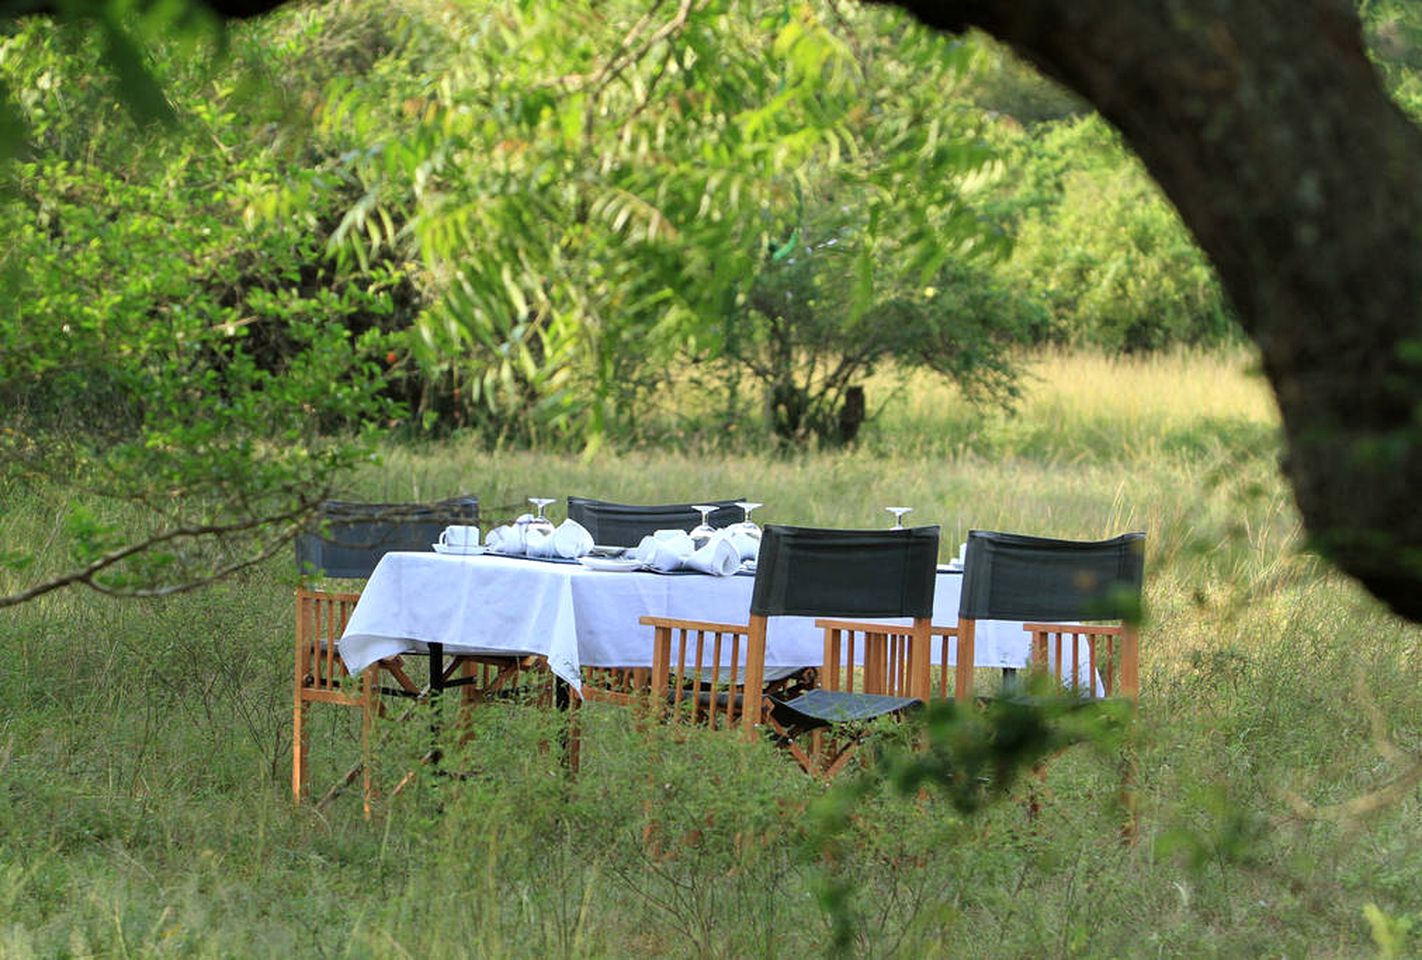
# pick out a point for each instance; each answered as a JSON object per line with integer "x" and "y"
{"x": 1394, "y": 936}
{"x": 216, "y": 379}
{"x": 1004, "y": 85}
{"x": 1393, "y": 29}
{"x": 593, "y": 194}
{"x": 1103, "y": 250}
{"x": 972, "y": 756}
{"x": 810, "y": 336}
{"x": 574, "y": 213}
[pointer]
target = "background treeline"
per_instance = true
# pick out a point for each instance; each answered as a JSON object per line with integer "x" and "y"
{"x": 563, "y": 224}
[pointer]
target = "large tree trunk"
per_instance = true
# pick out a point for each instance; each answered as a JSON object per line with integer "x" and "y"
{"x": 1266, "y": 125}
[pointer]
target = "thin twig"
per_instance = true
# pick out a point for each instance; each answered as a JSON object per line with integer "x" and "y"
{"x": 1393, "y": 792}
{"x": 86, "y": 574}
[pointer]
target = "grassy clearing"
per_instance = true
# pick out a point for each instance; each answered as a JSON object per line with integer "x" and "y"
{"x": 144, "y": 746}
{"x": 1089, "y": 407}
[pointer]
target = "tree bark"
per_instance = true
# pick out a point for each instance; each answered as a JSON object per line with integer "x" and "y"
{"x": 1267, "y": 126}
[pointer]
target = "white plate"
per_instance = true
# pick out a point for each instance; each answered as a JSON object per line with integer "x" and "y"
{"x": 611, "y": 563}
{"x": 448, "y": 548}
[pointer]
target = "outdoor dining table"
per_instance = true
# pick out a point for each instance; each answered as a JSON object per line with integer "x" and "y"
{"x": 575, "y": 617}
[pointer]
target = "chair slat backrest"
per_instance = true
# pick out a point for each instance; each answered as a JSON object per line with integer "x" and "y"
{"x": 348, "y": 539}
{"x": 1008, "y": 576}
{"x": 845, "y": 573}
{"x": 625, "y": 524}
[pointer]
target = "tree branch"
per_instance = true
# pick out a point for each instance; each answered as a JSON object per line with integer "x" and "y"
{"x": 86, "y": 574}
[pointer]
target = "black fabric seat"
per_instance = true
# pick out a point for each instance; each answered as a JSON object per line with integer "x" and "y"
{"x": 722, "y": 676}
{"x": 347, "y": 539}
{"x": 822, "y": 708}
{"x": 625, "y": 524}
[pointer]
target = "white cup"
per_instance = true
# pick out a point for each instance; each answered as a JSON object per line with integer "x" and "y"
{"x": 459, "y": 537}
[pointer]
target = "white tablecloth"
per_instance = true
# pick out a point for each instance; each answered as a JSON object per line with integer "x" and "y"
{"x": 578, "y": 617}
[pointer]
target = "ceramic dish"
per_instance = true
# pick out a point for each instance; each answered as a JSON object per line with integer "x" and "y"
{"x": 611, "y": 564}
{"x": 466, "y": 551}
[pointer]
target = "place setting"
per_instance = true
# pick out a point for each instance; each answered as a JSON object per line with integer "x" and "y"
{"x": 532, "y": 536}
{"x": 702, "y": 549}
{"x": 459, "y": 540}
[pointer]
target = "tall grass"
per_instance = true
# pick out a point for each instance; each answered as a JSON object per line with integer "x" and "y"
{"x": 144, "y": 746}
{"x": 1079, "y": 407}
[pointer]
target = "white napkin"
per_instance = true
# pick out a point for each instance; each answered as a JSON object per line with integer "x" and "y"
{"x": 719, "y": 558}
{"x": 678, "y": 540}
{"x": 668, "y": 550}
{"x": 666, "y": 553}
{"x": 571, "y": 540}
{"x": 504, "y": 539}
{"x": 747, "y": 547}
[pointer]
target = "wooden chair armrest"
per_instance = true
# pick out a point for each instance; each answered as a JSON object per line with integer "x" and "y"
{"x": 1099, "y": 629}
{"x": 867, "y": 627}
{"x": 306, "y": 593}
{"x": 861, "y": 626}
{"x": 706, "y": 626}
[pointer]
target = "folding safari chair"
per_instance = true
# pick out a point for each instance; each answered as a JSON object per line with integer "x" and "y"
{"x": 347, "y": 540}
{"x": 1065, "y": 591}
{"x": 625, "y": 524}
{"x": 811, "y": 573}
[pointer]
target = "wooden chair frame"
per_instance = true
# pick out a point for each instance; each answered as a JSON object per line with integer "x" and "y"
{"x": 1118, "y": 664}
{"x": 897, "y": 660}
{"x": 671, "y": 684}
{"x": 321, "y": 677}
{"x": 714, "y": 673}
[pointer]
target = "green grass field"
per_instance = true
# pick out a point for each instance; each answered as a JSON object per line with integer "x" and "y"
{"x": 145, "y": 746}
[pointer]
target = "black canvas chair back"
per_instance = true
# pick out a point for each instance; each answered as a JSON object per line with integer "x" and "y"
{"x": 1008, "y": 576}
{"x": 348, "y": 539}
{"x": 845, "y": 573}
{"x": 841, "y": 573}
{"x": 625, "y": 524}
{"x": 853, "y": 574}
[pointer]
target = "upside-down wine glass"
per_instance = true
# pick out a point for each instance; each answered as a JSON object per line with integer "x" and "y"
{"x": 541, "y": 523}
{"x": 703, "y": 531}
{"x": 898, "y": 513}
{"x": 747, "y": 526}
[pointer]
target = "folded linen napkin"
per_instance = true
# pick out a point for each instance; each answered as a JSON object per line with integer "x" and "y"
{"x": 719, "y": 558}
{"x": 509, "y": 537}
{"x": 669, "y": 550}
{"x": 747, "y": 547}
{"x": 678, "y": 540}
{"x": 665, "y": 550}
{"x": 570, "y": 541}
